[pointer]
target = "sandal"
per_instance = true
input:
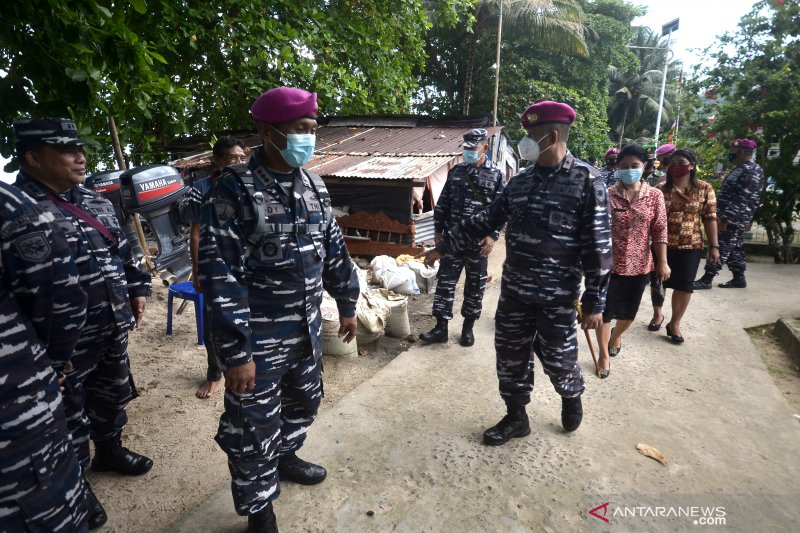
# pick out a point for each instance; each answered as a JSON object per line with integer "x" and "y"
{"x": 603, "y": 374}
{"x": 613, "y": 352}
{"x": 655, "y": 327}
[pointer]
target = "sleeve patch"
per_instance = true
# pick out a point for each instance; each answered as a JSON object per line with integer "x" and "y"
{"x": 33, "y": 247}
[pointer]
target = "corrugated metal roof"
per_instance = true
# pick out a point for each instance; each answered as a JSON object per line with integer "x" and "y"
{"x": 380, "y": 167}
{"x": 418, "y": 141}
{"x": 375, "y": 152}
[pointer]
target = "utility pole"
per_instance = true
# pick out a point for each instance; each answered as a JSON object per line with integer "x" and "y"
{"x": 497, "y": 61}
{"x": 667, "y": 30}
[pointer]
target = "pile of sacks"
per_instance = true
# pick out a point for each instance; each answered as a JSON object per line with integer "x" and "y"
{"x": 380, "y": 310}
{"x": 404, "y": 275}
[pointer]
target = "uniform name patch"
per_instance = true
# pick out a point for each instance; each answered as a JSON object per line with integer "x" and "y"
{"x": 33, "y": 247}
{"x": 312, "y": 202}
{"x": 275, "y": 210}
{"x": 566, "y": 189}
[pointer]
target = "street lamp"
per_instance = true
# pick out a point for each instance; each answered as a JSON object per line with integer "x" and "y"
{"x": 667, "y": 30}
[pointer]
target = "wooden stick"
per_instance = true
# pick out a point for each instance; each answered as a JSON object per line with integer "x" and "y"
{"x": 591, "y": 349}
{"x": 579, "y": 308}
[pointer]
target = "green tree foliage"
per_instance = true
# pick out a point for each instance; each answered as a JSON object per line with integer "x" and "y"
{"x": 532, "y": 72}
{"x": 754, "y": 91}
{"x": 166, "y": 68}
{"x": 82, "y": 59}
{"x": 461, "y": 56}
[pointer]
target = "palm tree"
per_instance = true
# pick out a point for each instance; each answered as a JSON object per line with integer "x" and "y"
{"x": 557, "y": 24}
{"x": 633, "y": 96}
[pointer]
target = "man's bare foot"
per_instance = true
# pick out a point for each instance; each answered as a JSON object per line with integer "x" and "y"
{"x": 207, "y": 389}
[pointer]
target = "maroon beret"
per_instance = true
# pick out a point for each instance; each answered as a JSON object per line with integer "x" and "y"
{"x": 284, "y": 104}
{"x": 744, "y": 144}
{"x": 612, "y": 151}
{"x": 546, "y": 113}
{"x": 665, "y": 149}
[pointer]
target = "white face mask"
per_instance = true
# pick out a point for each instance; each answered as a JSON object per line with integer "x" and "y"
{"x": 529, "y": 149}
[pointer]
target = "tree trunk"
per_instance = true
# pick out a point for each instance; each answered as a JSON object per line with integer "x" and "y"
{"x": 468, "y": 74}
{"x": 622, "y": 131}
{"x": 112, "y": 127}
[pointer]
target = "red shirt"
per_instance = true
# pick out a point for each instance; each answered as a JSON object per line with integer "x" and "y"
{"x": 634, "y": 226}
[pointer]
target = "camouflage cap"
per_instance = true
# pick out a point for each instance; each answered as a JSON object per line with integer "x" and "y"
{"x": 473, "y": 137}
{"x": 54, "y": 131}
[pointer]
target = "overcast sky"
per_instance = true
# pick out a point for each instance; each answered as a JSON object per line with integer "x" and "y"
{"x": 701, "y": 22}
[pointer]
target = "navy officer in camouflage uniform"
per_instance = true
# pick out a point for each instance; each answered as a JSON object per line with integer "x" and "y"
{"x": 269, "y": 245}
{"x": 99, "y": 385}
{"x": 737, "y": 201}
{"x": 470, "y": 187}
{"x": 558, "y": 218}
{"x": 609, "y": 172}
{"x": 42, "y": 308}
{"x": 227, "y": 151}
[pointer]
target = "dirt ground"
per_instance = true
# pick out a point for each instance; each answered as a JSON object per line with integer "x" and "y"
{"x": 169, "y": 424}
{"x": 781, "y": 367}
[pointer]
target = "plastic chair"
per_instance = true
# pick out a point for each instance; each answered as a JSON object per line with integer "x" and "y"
{"x": 185, "y": 290}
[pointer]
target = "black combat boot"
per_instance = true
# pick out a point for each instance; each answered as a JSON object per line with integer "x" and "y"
{"x": 704, "y": 282}
{"x": 263, "y": 521}
{"x": 514, "y": 424}
{"x": 571, "y": 413}
{"x": 97, "y": 515}
{"x": 292, "y": 468}
{"x": 467, "y": 337}
{"x": 111, "y": 455}
{"x": 438, "y": 333}
{"x": 738, "y": 282}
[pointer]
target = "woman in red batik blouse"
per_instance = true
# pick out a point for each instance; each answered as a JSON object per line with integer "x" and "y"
{"x": 638, "y": 217}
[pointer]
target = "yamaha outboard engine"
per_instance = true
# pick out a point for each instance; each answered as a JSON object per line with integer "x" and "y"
{"x": 107, "y": 185}
{"x": 153, "y": 191}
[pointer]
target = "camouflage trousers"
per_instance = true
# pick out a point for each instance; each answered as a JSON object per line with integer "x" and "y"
{"x": 450, "y": 269}
{"x": 523, "y": 329}
{"x": 259, "y": 427}
{"x": 730, "y": 252}
{"x": 42, "y": 487}
{"x": 98, "y": 388}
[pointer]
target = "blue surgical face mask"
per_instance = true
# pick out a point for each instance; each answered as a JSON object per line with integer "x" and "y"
{"x": 471, "y": 156}
{"x": 629, "y": 176}
{"x": 299, "y": 148}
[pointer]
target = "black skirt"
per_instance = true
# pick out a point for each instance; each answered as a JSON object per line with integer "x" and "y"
{"x": 624, "y": 296}
{"x": 684, "y": 265}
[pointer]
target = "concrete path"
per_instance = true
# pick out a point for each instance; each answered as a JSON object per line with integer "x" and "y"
{"x": 404, "y": 452}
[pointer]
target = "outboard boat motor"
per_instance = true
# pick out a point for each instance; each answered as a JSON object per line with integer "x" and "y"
{"x": 154, "y": 191}
{"x": 107, "y": 185}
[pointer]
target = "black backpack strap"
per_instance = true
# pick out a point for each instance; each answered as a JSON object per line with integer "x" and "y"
{"x": 248, "y": 180}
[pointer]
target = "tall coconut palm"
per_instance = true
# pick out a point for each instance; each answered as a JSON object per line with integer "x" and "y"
{"x": 558, "y": 25}
{"x": 634, "y": 96}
